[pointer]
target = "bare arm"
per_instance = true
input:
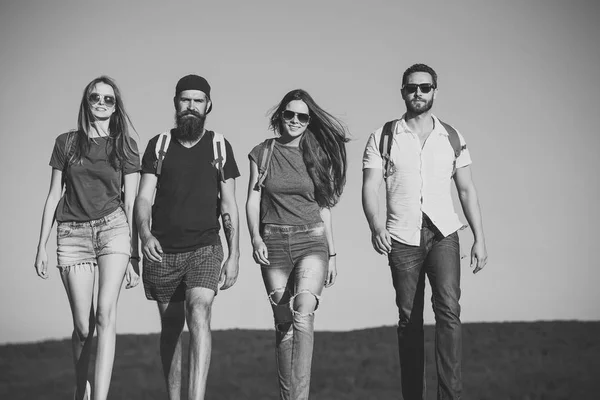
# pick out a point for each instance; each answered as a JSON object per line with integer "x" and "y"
{"x": 54, "y": 194}
{"x": 231, "y": 225}
{"x": 259, "y": 249}
{"x": 143, "y": 215}
{"x": 133, "y": 270}
{"x": 380, "y": 237}
{"x": 332, "y": 266}
{"x": 470, "y": 205}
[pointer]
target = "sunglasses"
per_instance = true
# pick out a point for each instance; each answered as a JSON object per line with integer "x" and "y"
{"x": 95, "y": 98}
{"x": 302, "y": 118}
{"x": 412, "y": 87}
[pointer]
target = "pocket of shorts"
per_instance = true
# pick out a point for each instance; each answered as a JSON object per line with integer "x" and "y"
{"x": 63, "y": 231}
{"x": 316, "y": 232}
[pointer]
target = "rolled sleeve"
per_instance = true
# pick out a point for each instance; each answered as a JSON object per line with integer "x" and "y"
{"x": 465, "y": 156}
{"x": 372, "y": 156}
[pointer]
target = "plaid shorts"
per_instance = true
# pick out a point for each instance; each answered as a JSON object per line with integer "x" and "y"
{"x": 168, "y": 280}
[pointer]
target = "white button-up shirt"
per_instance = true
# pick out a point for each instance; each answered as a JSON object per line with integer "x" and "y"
{"x": 419, "y": 182}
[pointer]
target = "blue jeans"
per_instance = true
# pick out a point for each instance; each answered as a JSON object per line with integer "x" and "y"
{"x": 294, "y": 279}
{"x": 438, "y": 257}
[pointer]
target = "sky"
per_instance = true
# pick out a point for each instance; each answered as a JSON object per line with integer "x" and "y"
{"x": 518, "y": 79}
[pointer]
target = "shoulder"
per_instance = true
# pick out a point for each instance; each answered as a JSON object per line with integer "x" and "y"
{"x": 451, "y": 130}
{"x": 63, "y": 137}
{"x": 256, "y": 150}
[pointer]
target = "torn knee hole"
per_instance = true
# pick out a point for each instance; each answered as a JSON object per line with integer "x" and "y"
{"x": 305, "y": 303}
{"x": 279, "y": 296}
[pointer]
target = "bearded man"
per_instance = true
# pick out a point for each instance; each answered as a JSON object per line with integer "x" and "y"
{"x": 419, "y": 155}
{"x": 180, "y": 232}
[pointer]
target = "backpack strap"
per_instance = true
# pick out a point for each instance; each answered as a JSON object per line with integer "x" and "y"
{"x": 162, "y": 144}
{"x": 220, "y": 154}
{"x": 68, "y": 152}
{"x": 385, "y": 146}
{"x": 264, "y": 159}
{"x": 454, "y": 140}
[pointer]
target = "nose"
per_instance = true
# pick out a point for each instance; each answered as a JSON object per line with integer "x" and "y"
{"x": 101, "y": 100}
{"x": 190, "y": 105}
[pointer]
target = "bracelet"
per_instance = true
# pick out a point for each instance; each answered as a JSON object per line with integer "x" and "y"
{"x": 137, "y": 258}
{"x": 332, "y": 255}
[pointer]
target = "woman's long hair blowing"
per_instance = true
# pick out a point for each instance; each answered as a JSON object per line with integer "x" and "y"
{"x": 323, "y": 146}
{"x": 122, "y": 148}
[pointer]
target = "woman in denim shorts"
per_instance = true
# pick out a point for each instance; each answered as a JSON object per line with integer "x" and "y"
{"x": 94, "y": 164}
{"x": 289, "y": 219}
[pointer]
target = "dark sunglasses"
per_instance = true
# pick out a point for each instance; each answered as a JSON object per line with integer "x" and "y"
{"x": 108, "y": 100}
{"x": 412, "y": 87}
{"x": 302, "y": 118}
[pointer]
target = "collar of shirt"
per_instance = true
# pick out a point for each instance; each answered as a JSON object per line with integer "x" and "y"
{"x": 402, "y": 127}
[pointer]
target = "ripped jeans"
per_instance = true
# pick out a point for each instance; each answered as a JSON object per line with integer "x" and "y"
{"x": 299, "y": 258}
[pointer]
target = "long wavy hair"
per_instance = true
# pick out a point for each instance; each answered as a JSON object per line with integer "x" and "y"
{"x": 323, "y": 147}
{"x": 118, "y": 126}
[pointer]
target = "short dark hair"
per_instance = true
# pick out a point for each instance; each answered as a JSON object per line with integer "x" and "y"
{"x": 419, "y": 68}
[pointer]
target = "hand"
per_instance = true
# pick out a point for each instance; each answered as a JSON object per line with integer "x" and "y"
{"x": 382, "y": 241}
{"x": 260, "y": 252}
{"x": 478, "y": 256}
{"x": 132, "y": 275}
{"x": 151, "y": 249}
{"x": 229, "y": 273}
{"x": 41, "y": 263}
{"x": 331, "y": 272}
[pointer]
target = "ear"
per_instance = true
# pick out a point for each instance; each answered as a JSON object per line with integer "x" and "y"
{"x": 208, "y": 106}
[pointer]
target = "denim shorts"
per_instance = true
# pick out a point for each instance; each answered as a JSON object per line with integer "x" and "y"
{"x": 83, "y": 242}
{"x": 289, "y": 244}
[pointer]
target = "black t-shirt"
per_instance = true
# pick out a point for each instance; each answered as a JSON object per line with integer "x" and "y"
{"x": 92, "y": 187}
{"x": 186, "y": 208}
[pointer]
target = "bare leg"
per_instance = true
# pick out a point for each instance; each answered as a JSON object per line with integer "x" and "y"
{"x": 172, "y": 318}
{"x": 79, "y": 285}
{"x": 198, "y": 311}
{"x": 111, "y": 271}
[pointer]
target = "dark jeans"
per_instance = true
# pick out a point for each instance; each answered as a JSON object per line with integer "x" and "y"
{"x": 438, "y": 257}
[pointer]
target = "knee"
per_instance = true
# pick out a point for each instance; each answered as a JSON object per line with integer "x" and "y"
{"x": 106, "y": 316}
{"x": 304, "y": 302}
{"x": 198, "y": 313}
{"x": 84, "y": 332}
{"x": 172, "y": 324}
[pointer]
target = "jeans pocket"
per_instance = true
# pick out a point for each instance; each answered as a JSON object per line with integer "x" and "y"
{"x": 63, "y": 231}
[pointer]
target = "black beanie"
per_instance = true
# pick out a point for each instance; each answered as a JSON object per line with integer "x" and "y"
{"x": 193, "y": 82}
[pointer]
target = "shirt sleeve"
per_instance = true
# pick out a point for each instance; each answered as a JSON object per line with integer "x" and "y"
{"x": 57, "y": 160}
{"x": 465, "y": 156}
{"x": 372, "y": 156}
{"x": 230, "y": 169}
{"x": 132, "y": 164}
{"x": 254, "y": 155}
{"x": 149, "y": 158}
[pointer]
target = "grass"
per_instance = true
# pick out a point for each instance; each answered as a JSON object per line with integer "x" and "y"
{"x": 541, "y": 360}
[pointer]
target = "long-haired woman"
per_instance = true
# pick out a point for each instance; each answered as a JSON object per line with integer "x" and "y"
{"x": 289, "y": 218}
{"x": 95, "y": 164}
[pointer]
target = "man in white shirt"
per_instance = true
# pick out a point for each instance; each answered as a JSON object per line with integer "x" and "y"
{"x": 420, "y": 234}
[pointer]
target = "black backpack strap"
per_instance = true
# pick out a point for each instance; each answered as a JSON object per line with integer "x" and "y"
{"x": 161, "y": 154}
{"x": 264, "y": 159}
{"x": 385, "y": 147}
{"x": 68, "y": 153}
{"x": 454, "y": 140}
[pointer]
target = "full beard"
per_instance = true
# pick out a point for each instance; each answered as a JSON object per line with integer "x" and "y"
{"x": 190, "y": 126}
{"x": 418, "y": 107}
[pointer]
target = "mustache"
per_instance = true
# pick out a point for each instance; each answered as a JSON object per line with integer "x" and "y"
{"x": 189, "y": 112}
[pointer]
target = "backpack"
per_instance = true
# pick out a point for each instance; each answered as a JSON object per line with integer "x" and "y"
{"x": 264, "y": 158}
{"x": 218, "y": 141}
{"x": 387, "y": 139}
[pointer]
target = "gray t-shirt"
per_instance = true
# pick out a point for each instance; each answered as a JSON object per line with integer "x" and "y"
{"x": 288, "y": 197}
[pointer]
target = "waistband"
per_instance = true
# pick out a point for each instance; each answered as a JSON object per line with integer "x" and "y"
{"x": 96, "y": 222}
{"x": 276, "y": 228}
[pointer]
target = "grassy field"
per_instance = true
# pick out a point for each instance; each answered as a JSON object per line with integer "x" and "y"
{"x": 541, "y": 360}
